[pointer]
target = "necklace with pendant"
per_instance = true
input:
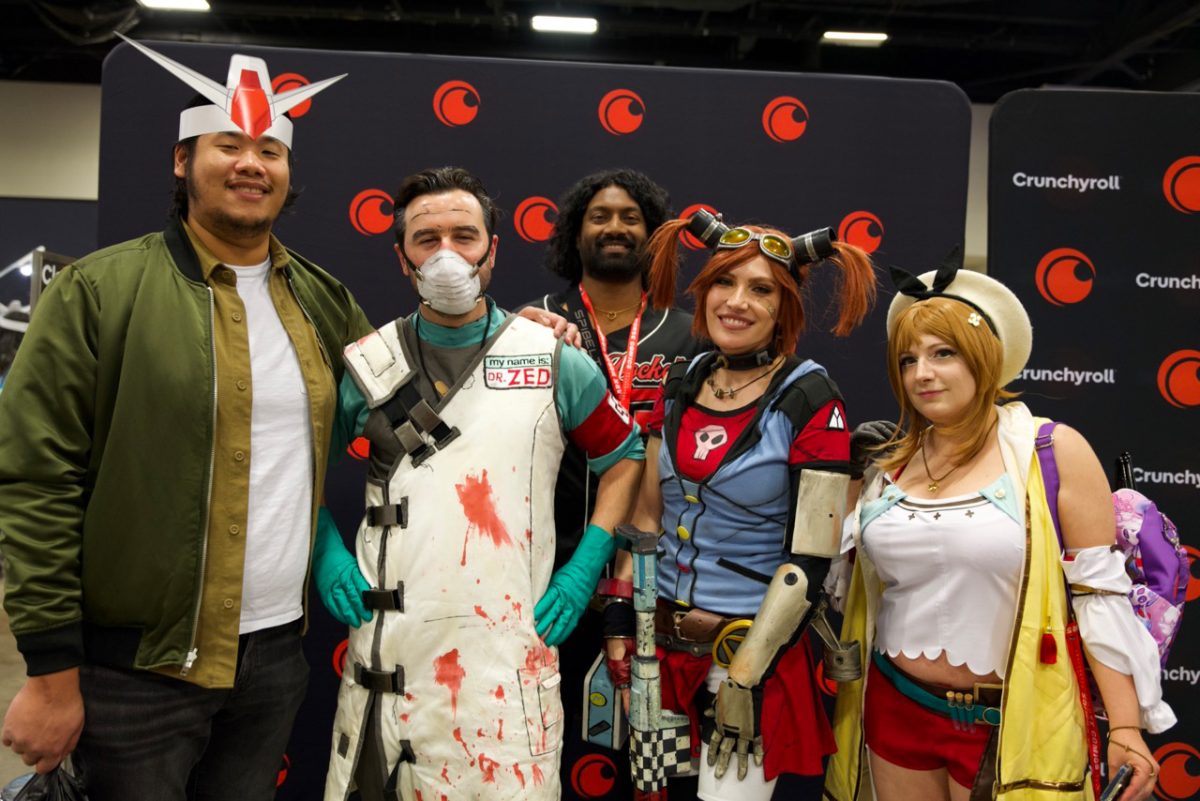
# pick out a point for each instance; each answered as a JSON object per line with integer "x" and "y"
{"x": 720, "y": 393}
{"x": 934, "y": 481}
{"x": 612, "y": 315}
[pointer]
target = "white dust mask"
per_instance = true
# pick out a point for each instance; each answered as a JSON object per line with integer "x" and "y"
{"x": 448, "y": 282}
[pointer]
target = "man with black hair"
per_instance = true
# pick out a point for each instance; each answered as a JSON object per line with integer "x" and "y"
{"x": 451, "y": 680}
{"x": 163, "y": 441}
{"x": 598, "y": 246}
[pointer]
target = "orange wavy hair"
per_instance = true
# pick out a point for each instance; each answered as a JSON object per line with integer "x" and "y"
{"x": 855, "y": 293}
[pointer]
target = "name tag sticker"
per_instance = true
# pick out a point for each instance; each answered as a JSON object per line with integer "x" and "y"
{"x": 518, "y": 372}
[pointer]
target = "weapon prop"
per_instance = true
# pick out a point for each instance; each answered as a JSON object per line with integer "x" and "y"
{"x": 660, "y": 742}
{"x": 604, "y": 721}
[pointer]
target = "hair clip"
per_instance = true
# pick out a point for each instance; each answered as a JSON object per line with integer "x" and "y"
{"x": 974, "y": 319}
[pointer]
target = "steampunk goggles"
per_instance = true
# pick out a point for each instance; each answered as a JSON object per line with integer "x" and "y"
{"x": 772, "y": 246}
{"x": 793, "y": 254}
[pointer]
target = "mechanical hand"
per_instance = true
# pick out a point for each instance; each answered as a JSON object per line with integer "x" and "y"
{"x": 737, "y": 710}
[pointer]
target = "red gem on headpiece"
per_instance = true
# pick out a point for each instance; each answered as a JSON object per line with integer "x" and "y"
{"x": 251, "y": 111}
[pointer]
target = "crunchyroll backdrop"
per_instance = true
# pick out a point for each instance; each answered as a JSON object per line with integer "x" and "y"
{"x": 884, "y": 162}
{"x": 1094, "y": 221}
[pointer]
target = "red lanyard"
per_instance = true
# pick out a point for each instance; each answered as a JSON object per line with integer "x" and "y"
{"x": 621, "y": 377}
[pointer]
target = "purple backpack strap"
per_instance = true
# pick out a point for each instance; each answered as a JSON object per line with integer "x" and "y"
{"x": 1044, "y": 445}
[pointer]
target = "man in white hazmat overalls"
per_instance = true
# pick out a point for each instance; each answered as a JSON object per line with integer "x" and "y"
{"x": 450, "y": 689}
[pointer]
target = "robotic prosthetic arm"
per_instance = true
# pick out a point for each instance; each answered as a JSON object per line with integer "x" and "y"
{"x": 819, "y": 498}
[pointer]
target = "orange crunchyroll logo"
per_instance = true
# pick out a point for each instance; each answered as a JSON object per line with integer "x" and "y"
{"x": 862, "y": 229}
{"x": 1176, "y": 779}
{"x": 285, "y": 83}
{"x": 339, "y": 657}
{"x": 621, "y": 111}
{"x": 687, "y": 239}
{"x": 784, "y": 119}
{"x": 530, "y": 218}
{"x": 593, "y": 776}
{"x": 1181, "y": 184}
{"x": 828, "y": 686}
{"x": 456, "y": 103}
{"x": 1057, "y": 276}
{"x": 283, "y": 771}
{"x": 1179, "y": 378}
{"x": 1193, "y": 588}
{"x": 367, "y": 213}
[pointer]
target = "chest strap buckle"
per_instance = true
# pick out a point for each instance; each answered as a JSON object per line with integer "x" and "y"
{"x": 385, "y": 600}
{"x": 381, "y": 681}
{"x": 392, "y": 514}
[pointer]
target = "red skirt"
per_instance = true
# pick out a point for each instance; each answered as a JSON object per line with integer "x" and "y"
{"x": 795, "y": 730}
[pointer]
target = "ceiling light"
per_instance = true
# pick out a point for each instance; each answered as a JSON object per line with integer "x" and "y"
{"x": 564, "y": 24}
{"x": 175, "y": 5}
{"x": 854, "y": 38}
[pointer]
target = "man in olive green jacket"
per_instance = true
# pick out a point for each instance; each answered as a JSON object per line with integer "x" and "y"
{"x": 163, "y": 441}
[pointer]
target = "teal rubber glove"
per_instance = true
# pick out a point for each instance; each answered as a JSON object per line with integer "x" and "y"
{"x": 572, "y": 586}
{"x": 336, "y": 573}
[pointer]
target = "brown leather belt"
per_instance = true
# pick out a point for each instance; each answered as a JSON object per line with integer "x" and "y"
{"x": 682, "y": 628}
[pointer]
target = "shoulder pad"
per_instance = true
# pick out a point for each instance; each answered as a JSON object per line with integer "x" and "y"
{"x": 377, "y": 364}
{"x": 801, "y": 399}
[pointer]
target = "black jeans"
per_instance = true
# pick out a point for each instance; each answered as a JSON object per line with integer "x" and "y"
{"x": 154, "y": 738}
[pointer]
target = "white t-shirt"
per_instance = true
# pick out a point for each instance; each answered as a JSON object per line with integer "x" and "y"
{"x": 281, "y": 469}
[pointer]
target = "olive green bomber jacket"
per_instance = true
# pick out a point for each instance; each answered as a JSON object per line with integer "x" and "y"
{"x": 106, "y": 428}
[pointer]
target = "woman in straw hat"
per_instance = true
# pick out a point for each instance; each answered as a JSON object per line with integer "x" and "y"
{"x": 747, "y": 434}
{"x": 958, "y": 589}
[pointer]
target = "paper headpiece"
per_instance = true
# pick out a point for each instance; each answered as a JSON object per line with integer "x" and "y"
{"x": 246, "y": 102}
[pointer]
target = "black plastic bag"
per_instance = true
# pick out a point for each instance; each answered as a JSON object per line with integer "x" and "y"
{"x": 58, "y": 785}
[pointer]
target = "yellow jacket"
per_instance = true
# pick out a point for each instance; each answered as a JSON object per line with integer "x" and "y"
{"x": 1046, "y": 755}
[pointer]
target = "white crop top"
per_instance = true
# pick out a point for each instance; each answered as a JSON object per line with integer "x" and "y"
{"x": 951, "y": 570}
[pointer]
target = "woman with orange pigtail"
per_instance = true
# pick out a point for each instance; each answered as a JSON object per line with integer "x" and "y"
{"x": 747, "y": 472}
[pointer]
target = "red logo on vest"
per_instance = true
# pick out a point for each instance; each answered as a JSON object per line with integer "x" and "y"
{"x": 1181, "y": 184}
{"x": 1064, "y": 276}
{"x": 689, "y": 241}
{"x": 530, "y": 218}
{"x": 651, "y": 372}
{"x": 1179, "y": 378}
{"x": 593, "y": 776}
{"x": 455, "y": 103}
{"x": 784, "y": 119}
{"x": 371, "y": 212}
{"x": 621, "y": 112}
{"x": 287, "y": 82}
{"x": 861, "y": 229}
{"x": 1176, "y": 779}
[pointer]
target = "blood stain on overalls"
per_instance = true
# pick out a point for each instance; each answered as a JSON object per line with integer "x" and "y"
{"x": 479, "y": 506}
{"x": 449, "y": 674}
{"x": 488, "y": 768}
{"x": 458, "y": 737}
